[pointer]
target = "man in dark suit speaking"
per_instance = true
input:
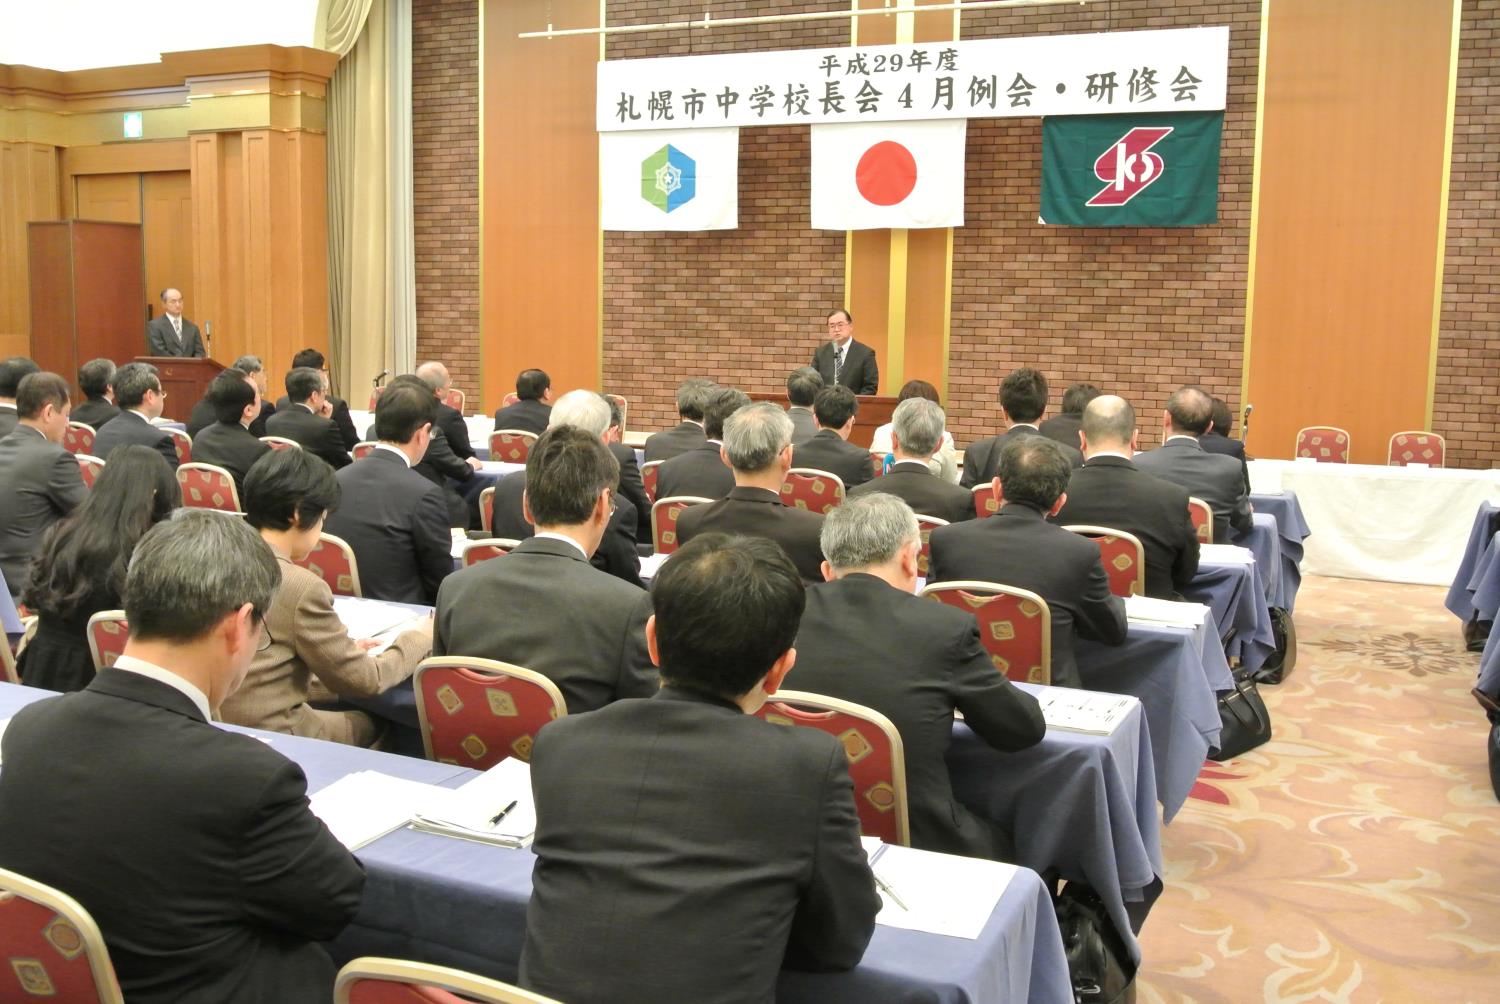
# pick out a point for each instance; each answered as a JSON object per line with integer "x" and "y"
{"x": 842, "y": 360}
{"x": 171, "y": 334}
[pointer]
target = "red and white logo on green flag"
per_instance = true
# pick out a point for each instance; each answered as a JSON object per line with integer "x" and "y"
{"x": 870, "y": 176}
{"x": 1158, "y": 170}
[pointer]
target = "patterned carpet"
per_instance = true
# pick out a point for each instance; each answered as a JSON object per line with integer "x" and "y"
{"x": 1355, "y": 857}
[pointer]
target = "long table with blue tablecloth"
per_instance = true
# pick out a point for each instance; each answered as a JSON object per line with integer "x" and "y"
{"x": 1475, "y": 591}
{"x": 1292, "y": 530}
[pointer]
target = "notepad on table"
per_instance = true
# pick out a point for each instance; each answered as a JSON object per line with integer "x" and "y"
{"x": 366, "y": 805}
{"x": 935, "y": 893}
{"x": 1149, "y": 610}
{"x": 471, "y": 811}
{"x": 374, "y": 619}
{"x": 1083, "y": 711}
{"x": 1225, "y": 554}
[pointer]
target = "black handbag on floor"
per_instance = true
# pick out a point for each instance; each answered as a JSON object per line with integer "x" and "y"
{"x": 1284, "y": 659}
{"x": 1099, "y": 965}
{"x": 1245, "y": 722}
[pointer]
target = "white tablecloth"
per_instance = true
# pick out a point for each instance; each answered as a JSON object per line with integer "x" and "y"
{"x": 1389, "y": 524}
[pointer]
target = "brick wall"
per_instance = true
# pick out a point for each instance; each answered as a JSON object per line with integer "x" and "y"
{"x": 445, "y": 167}
{"x": 1468, "y": 373}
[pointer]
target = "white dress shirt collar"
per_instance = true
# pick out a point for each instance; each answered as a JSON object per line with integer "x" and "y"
{"x": 7, "y": 406}
{"x": 1180, "y": 435}
{"x": 396, "y": 450}
{"x": 130, "y": 664}
{"x": 549, "y": 535}
{"x": 1111, "y": 453}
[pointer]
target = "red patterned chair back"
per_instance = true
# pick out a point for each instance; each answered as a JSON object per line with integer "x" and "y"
{"x": 89, "y": 468}
{"x": 476, "y": 551}
{"x": 1015, "y": 625}
{"x": 205, "y": 486}
{"x": 108, "y": 633}
{"x": 1202, "y": 515}
{"x": 78, "y": 437}
{"x": 648, "y": 478}
{"x": 985, "y": 503}
{"x": 877, "y": 760}
{"x": 477, "y": 712}
{"x": 1326, "y": 444}
{"x": 375, "y": 393}
{"x": 53, "y": 947}
{"x": 281, "y": 443}
{"x": 511, "y": 446}
{"x": 183, "y": 444}
{"x": 455, "y": 398}
{"x": 509, "y": 399}
{"x": 1123, "y": 556}
{"x": 363, "y": 449}
{"x": 332, "y": 560}
{"x": 880, "y": 463}
{"x": 664, "y": 514}
{"x": 1413, "y": 448}
{"x": 925, "y": 526}
{"x": 815, "y": 491}
{"x": 487, "y": 509}
{"x": 624, "y": 406}
{"x": 395, "y": 981}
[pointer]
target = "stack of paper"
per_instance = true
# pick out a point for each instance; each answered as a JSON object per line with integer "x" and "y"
{"x": 1145, "y": 609}
{"x": 1083, "y": 710}
{"x": 366, "y": 805}
{"x": 494, "y": 808}
{"x": 935, "y": 893}
{"x": 1225, "y": 554}
{"x": 651, "y": 564}
{"x": 375, "y": 619}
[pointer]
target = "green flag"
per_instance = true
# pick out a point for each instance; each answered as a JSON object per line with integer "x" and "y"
{"x": 1131, "y": 170}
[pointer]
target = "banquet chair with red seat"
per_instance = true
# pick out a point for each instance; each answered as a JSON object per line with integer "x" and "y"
{"x": 648, "y": 478}
{"x": 477, "y": 712}
{"x": 371, "y": 980}
{"x": 281, "y": 443}
{"x": 88, "y": 468}
{"x": 455, "y": 398}
{"x": 78, "y": 437}
{"x": 511, "y": 446}
{"x": 623, "y": 404}
{"x": 183, "y": 444}
{"x": 108, "y": 633}
{"x": 925, "y": 526}
{"x": 1415, "y": 447}
{"x": 476, "y": 551}
{"x": 877, "y": 759}
{"x": 375, "y": 393}
{"x": 363, "y": 449}
{"x": 1123, "y": 556}
{"x": 985, "y": 503}
{"x": 1327, "y": 444}
{"x": 510, "y": 398}
{"x": 1015, "y": 625}
{"x": 332, "y": 560}
{"x": 815, "y": 491}
{"x": 205, "y": 486}
{"x": 53, "y": 947}
{"x": 664, "y": 514}
{"x": 1202, "y": 516}
{"x": 880, "y": 463}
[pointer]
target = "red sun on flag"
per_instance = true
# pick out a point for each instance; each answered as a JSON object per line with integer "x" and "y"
{"x": 886, "y": 173}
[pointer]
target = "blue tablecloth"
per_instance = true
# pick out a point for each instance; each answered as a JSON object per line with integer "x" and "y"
{"x": 1293, "y": 530}
{"x": 1476, "y": 587}
{"x": 459, "y": 903}
{"x": 1236, "y": 594}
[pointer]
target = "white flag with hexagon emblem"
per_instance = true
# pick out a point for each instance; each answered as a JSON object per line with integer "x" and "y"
{"x": 685, "y": 179}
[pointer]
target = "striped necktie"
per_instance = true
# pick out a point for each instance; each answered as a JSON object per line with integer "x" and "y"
{"x": 838, "y": 362}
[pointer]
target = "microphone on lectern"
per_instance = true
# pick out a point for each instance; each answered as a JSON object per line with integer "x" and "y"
{"x": 1245, "y": 423}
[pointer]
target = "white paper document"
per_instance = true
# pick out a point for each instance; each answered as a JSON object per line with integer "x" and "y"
{"x": 651, "y": 564}
{"x": 375, "y": 619}
{"x": 1084, "y": 711}
{"x": 366, "y": 805}
{"x": 935, "y": 893}
{"x": 500, "y": 467}
{"x": 496, "y": 807}
{"x": 1225, "y": 554}
{"x": 1148, "y": 610}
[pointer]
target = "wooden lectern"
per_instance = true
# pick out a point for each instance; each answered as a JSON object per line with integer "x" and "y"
{"x": 184, "y": 380}
{"x": 874, "y": 411}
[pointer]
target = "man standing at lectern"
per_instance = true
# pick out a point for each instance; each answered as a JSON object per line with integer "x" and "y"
{"x": 171, "y": 334}
{"x": 842, "y": 360}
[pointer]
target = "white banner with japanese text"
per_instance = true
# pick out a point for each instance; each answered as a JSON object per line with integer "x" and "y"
{"x": 1183, "y": 69}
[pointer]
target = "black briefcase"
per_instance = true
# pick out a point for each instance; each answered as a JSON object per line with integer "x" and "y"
{"x": 1284, "y": 659}
{"x": 1099, "y": 964}
{"x": 1245, "y": 721}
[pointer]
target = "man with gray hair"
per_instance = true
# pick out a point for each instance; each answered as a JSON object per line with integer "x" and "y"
{"x": 193, "y": 848}
{"x": 916, "y": 436}
{"x": 616, "y": 552}
{"x": 801, "y": 391}
{"x": 866, "y": 638}
{"x": 1109, "y": 490}
{"x": 1018, "y": 547}
{"x": 702, "y": 471}
{"x": 449, "y": 419}
{"x": 692, "y": 398}
{"x": 758, "y": 448}
{"x": 1182, "y": 460}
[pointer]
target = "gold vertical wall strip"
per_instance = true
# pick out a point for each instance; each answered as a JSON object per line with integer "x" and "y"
{"x": 599, "y": 270}
{"x": 487, "y": 405}
{"x": 948, "y": 266}
{"x": 894, "y": 372}
{"x": 848, "y": 234}
{"x": 1442, "y": 228}
{"x": 1260, "y": 130}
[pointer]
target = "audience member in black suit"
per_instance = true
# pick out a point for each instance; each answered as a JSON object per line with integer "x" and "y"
{"x": 12, "y": 372}
{"x": 203, "y": 414}
{"x": 96, "y": 378}
{"x": 542, "y": 606}
{"x": 449, "y": 418}
{"x": 1063, "y": 428}
{"x": 758, "y": 445}
{"x": 841, "y": 361}
{"x": 1217, "y": 480}
{"x": 692, "y": 397}
{"x": 830, "y": 450}
{"x": 1110, "y": 491}
{"x": 616, "y": 552}
{"x": 140, "y": 397}
{"x": 86, "y": 558}
{"x": 228, "y": 443}
{"x": 308, "y": 418}
{"x": 685, "y": 850}
{"x": 442, "y": 467}
{"x": 1018, "y": 547}
{"x": 1218, "y": 440}
{"x": 801, "y": 391}
{"x": 531, "y": 412}
{"x": 313, "y": 359}
{"x": 191, "y": 847}
{"x": 171, "y": 334}
{"x": 1023, "y": 402}
{"x": 867, "y": 638}
{"x": 396, "y": 520}
{"x": 916, "y": 436}
{"x": 702, "y": 471}
{"x": 41, "y": 480}
{"x": 631, "y": 486}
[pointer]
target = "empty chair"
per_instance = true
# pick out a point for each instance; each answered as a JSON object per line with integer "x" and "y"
{"x": 815, "y": 491}
{"x": 476, "y": 551}
{"x": 1326, "y": 444}
{"x": 1123, "y": 556}
{"x": 108, "y": 632}
{"x": 664, "y": 514}
{"x": 477, "y": 712}
{"x": 1405, "y": 448}
{"x": 53, "y": 947}
{"x": 78, "y": 437}
{"x": 205, "y": 486}
{"x": 371, "y": 980}
{"x": 332, "y": 560}
{"x": 1015, "y": 625}
{"x": 1202, "y": 515}
{"x": 511, "y": 446}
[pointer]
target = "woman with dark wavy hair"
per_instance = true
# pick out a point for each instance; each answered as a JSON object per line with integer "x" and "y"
{"x": 80, "y": 569}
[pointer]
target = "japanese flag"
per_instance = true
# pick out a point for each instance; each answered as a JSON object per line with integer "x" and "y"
{"x": 680, "y": 179}
{"x": 867, "y": 176}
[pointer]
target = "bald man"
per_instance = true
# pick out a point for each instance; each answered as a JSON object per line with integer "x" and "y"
{"x": 449, "y": 419}
{"x": 171, "y": 334}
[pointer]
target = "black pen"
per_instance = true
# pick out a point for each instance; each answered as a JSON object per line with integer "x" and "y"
{"x": 501, "y": 814}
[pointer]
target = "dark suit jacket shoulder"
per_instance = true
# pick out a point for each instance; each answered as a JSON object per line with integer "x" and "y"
{"x": 192, "y": 848}
{"x": 860, "y": 373}
{"x": 632, "y": 488}
{"x": 317, "y": 435}
{"x": 926, "y": 493}
{"x": 669, "y": 443}
{"x": 1231, "y": 447}
{"x": 231, "y": 446}
{"x": 1063, "y": 429}
{"x": 128, "y": 428}
{"x": 828, "y": 451}
{"x": 1214, "y": 478}
{"x": 616, "y": 554}
{"x": 982, "y": 459}
{"x": 397, "y": 523}
{"x": 700, "y": 471}
{"x": 530, "y": 415}
{"x": 659, "y": 781}
{"x": 756, "y": 512}
{"x": 161, "y": 340}
{"x": 94, "y": 412}
{"x": 804, "y": 424}
{"x": 41, "y": 486}
{"x": 526, "y": 609}
{"x": 451, "y": 421}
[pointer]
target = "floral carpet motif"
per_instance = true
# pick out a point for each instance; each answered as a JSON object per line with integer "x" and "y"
{"x": 1356, "y": 856}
